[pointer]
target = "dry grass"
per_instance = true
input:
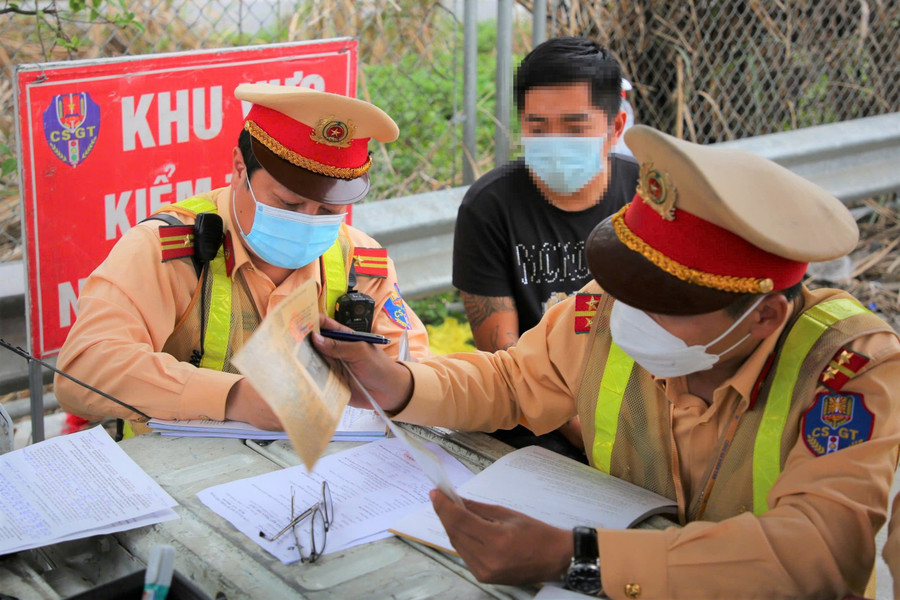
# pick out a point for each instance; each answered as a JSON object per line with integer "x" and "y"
{"x": 711, "y": 71}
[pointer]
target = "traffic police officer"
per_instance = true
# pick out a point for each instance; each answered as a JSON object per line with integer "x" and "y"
{"x": 702, "y": 369}
{"x": 160, "y": 318}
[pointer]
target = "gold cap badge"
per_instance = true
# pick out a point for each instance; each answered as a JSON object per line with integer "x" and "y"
{"x": 656, "y": 189}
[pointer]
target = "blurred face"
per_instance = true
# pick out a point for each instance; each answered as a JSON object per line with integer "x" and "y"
{"x": 566, "y": 110}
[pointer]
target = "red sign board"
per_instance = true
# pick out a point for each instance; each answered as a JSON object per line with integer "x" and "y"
{"x": 105, "y": 143}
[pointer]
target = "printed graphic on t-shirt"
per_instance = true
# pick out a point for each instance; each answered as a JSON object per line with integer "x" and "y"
{"x": 554, "y": 299}
{"x": 551, "y": 262}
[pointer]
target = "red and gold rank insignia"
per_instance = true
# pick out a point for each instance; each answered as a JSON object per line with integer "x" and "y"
{"x": 836, "y": 421}
{"x": 176, "y": 241}
{"x": 585, "y": 308}
{"x": 333, "y": 132}
{"x": 843, "y": 367}
{"x": 371, "y": 261}
{"x": 656, "y": 189}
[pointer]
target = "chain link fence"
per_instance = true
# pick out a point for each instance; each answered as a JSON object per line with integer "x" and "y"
{"x": 704, "y": 70}
{"x": 715, "y": 70}
{"x": 409, "y": 57}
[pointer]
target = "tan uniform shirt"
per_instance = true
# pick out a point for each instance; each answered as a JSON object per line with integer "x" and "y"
{"x": 130, "y": 304}
{"x": 817, "y": 539}
{"x": 891, "y": 551}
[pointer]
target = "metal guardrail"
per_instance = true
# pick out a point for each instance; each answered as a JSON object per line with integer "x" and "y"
{"x": 852, "y": 160}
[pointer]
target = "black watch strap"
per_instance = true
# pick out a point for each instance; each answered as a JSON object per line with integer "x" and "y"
{"x": 585, "y": 544}
{"x": 584, "y": 572}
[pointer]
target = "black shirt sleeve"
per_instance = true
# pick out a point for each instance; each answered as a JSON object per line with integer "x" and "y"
{"x": 481, "y": 239}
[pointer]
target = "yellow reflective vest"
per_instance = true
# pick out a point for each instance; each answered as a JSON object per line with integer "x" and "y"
{"x": 632, "y": 432}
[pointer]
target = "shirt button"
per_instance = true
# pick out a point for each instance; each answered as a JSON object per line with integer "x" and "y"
{"x": 633, "y": 590}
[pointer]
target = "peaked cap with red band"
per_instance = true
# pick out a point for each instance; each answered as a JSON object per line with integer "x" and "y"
{"x": 708, "y": 225}
{"x": 314, "y": 143}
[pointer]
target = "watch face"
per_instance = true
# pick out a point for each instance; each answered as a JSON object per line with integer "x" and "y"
{"x": 584, "y": 578}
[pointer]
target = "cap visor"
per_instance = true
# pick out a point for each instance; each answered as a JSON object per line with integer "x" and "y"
{"x": 629, "y": 277}
{"x": 320, "y": 188}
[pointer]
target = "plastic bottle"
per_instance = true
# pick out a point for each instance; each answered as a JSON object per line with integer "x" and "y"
{"x": 620, "y": 147}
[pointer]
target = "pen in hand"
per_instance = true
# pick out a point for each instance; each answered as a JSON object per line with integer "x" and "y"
{"x": 354, "y": 336}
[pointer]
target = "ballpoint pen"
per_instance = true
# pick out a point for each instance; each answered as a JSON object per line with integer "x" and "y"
{"x": 355, "y": 336}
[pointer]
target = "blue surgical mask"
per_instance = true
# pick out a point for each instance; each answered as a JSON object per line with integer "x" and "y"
{"x": 288, "y": 239}
{"x": 565, "y": 163}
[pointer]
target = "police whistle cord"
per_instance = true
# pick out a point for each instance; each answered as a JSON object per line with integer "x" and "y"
{"x": 27, "y": 356}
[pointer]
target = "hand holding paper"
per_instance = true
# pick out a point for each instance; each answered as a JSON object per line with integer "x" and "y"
{"x": 425, "y": 458}
{"x": 304, "y": 391}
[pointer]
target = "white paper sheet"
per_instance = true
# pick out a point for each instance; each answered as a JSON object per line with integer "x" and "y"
{"x": 372, "y": 486}
{"x": 73, "y": 486}
{"x": 425, "y": 458}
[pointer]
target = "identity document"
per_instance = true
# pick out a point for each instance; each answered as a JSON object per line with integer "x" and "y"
{"x": 306, "y": 392}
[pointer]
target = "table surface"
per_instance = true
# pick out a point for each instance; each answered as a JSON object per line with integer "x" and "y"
{"x": 224, "y": 563}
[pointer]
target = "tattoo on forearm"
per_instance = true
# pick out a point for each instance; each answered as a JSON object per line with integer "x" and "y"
{"x": 480, "y": 308}
{"x": 508, "y": 339}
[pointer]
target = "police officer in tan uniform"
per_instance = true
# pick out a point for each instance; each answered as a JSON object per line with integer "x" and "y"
{"x": 159, "y": 320}
{"x": 702, "y": 369}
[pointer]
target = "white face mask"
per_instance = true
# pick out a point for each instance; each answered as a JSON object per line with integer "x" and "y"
{"x": 658, "y": 351}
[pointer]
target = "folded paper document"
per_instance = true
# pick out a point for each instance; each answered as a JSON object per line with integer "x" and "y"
{"x": 306, "y": 392}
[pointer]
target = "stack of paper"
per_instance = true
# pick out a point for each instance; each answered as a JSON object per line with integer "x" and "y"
{"x": 372, "y": 486}
{"x": 74, "y": 486}
{"x": 356, "y": 425}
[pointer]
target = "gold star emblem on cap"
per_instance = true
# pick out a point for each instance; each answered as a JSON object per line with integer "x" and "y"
{"x": 333, "y": 132}
{"x": 656, "y": 189}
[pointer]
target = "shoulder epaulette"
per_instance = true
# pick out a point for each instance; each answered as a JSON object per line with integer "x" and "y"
{"x": 371, "y": 262}
{"x": 844, "y": 366}
{"x": 176, "y": 241}
{"x": 586, "y": 306}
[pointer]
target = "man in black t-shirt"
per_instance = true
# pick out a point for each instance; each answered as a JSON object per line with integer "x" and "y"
{"x": 520, "y": 231}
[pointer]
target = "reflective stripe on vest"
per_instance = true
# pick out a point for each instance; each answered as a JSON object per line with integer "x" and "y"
{"x": 335, "y": 276}
{"x": 609, "y": 402}
{"x": 767, "y": 447}
{"x": 800, "y": 340}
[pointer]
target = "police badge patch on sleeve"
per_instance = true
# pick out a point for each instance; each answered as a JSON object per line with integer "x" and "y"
{"x": 396, "y": 309}
{"x": 836, "y": 421}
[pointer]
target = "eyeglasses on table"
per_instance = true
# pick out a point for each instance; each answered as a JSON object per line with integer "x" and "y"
{"x": 310, "y": 527}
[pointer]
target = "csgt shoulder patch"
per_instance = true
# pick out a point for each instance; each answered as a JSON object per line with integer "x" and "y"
{"x": 585, "y": 308}
{"x": 835, "y": 421}
{"x": 396, "y": 309}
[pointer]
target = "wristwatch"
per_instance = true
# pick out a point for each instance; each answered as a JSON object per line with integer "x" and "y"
{"x": 584, "y": 573}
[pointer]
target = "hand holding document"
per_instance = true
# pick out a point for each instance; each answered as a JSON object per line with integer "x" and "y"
{"x": 306, "y": 393}
{"x": 427, "y": 460}
{"x": 549, "y": 487}
{"x": 74, "y": 486}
